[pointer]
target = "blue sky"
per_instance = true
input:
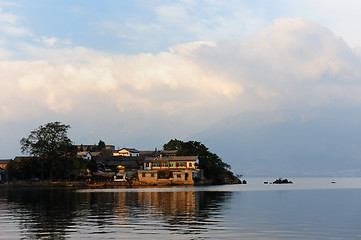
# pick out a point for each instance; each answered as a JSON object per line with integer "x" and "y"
{"x": 130, "y": 27}
{"x": 137, "y": 73}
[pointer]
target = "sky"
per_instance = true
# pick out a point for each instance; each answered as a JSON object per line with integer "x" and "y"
{"x": 139, "y": 73}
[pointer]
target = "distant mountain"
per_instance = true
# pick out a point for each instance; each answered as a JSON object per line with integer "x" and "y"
{"x": 316, "y": 142}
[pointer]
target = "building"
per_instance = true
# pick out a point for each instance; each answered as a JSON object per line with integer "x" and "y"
{"x": 169, "y": 170}
{"x": 84, "y": 155}
{"x": 4, "y": 163}
{"x": 127, "y": 152}
{"x": 125, "y": 168}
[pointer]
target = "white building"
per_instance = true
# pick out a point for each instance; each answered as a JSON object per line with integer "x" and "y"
{"x": 127, "y": 152}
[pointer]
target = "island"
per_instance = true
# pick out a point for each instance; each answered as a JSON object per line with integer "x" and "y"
{"x": 54, "y": 160}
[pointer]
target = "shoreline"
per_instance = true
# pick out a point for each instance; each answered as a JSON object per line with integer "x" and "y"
{"x": 83, "y": 184}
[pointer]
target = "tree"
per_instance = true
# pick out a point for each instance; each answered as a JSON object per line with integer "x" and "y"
{"x": 53, "y": 148}
{"x": 101, "y": 145}
{"x": 213, "y": 166}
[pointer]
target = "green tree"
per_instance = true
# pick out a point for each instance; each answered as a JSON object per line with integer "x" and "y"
{"x": 101, "y": 145}
{"x": 213, "y": 166}
{"x": 53, "y": 148}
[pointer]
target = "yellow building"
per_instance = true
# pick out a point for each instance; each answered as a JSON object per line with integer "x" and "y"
{"x": 176, "y": 170}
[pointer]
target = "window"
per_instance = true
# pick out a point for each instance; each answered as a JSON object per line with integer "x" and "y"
{"x": 143, "y": 174}
{"x": 164, "y": 164}
{"x": 155, "y": 164}
{"x": 152, "y": 174}
{"x": 190, "y": 164}
{"x": 147, "y": 164}
{"x": 182, "y": 164}
{"x": 178, "y": 175}
{"x": 171, "y": 164}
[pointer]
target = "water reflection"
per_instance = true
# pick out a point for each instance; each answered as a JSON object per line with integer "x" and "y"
{"x": 64, "y": 213}
{"x": 42, "y": 213}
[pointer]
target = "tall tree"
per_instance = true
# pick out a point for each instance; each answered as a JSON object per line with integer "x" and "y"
{"x": 53, "y": 148}
{"x": 101, "y": 145}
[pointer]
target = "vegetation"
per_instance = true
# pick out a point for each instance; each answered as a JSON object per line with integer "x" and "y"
{"x": 53, "y": 155}
{"x": 212, "y": 165}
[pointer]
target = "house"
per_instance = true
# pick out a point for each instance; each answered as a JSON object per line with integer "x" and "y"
{"x": 84, "y": 155}
{"x": 169, "y": 170}
{"x": 128, "y": 152}
{"x": 4, "y": 163}
{"x": 124, "y": 168}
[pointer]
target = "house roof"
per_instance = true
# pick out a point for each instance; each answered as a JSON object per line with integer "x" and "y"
{"x": 20, "y": 158}
{"x": 172, "y": 158}
{"x": 94, "y": 154}
{"x": 5, "y": 161}
{"x": 133, "y": 150}
{"x": 169, "y": 152}
{"x": 125, "y": 161}
{"x": 82, "y": 154}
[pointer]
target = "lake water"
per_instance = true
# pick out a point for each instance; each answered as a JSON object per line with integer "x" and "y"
{"x": 308, "y": 209}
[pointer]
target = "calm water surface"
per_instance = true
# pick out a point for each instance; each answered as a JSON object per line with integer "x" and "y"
{"x": 308, "y": 209}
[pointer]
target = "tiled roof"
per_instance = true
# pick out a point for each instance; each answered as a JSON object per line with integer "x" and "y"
{"x": 5, "y": 161}
{"x": 125, "y": 161}
{"x": 82, "y": 153}
{"x": 133, "y": 150}
{"x": 173, "y": 158}
{"x": 19, "y": 158}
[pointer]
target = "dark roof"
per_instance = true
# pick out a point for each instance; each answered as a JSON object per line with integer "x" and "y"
{"x": 20, "y": 158}
{"x": 5, "y": 161}
{"x": 149, "y": 153}
{"x": 95, "y": 154}
{"x": 169, "y": 152}
{"x": 128, "y": 164}
{"x": 125, "y": 161}
{"x": 173, "y": 158}
{"x": 133, "y": 150}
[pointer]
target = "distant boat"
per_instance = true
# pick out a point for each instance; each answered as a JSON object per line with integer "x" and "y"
{"x": 333, "y": 182}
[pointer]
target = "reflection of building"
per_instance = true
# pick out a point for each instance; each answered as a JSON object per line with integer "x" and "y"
{"x": 169, "y": 202}
{"x": 172, "y": 204}
{"x": 169, "y": 170}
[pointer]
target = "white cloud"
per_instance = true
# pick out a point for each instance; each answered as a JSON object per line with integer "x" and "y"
{"x": 342, "y": 17}
{"x": 290, "y": 64}
{"x": 287, "y": 63}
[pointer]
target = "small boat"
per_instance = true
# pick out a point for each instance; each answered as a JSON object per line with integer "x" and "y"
{"x": 333, "y": 182}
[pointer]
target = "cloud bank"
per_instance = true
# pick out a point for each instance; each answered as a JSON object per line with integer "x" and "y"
{"x": 292, "y": 63}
